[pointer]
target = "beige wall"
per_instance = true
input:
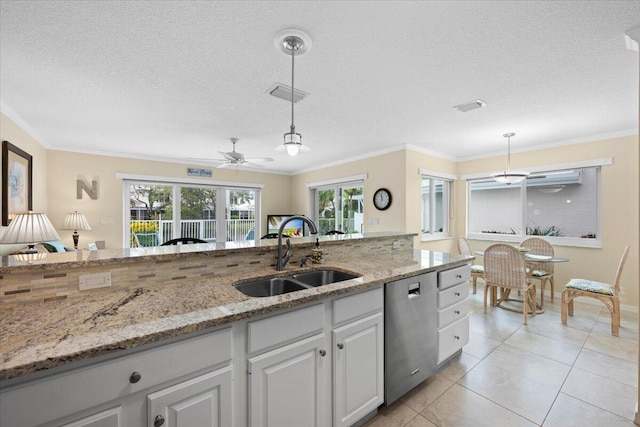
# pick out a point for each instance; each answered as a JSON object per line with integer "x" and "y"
{"x": 619, "y": 209}
{"x": 106, "y": 213}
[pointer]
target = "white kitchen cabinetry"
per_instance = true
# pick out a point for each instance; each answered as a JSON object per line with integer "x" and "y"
{"x": 83, "y": 396}
{"x": 453, "y": 311}
{"x": 286, "y": 387}
{"x": 202, "y": 401}
{"x": 109, "y": 418}
{"x": 358, "y": 381}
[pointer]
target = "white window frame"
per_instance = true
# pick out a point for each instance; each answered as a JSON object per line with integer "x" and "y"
{"x": 221, "y": 188}
{"x": 348, "y": 182}
{"x": 557, "y": 241}
{"x": 447, "y": 180}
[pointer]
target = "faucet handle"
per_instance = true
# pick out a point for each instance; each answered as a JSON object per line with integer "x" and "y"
{"x": 303, "y": 261}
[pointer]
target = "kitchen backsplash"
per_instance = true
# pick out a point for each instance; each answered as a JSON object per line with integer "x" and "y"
{"x": 45, "y": 285}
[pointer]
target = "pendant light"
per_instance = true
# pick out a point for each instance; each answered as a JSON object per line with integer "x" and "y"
{"x": 509, "y": 177}
{"x": 295, "y": 45}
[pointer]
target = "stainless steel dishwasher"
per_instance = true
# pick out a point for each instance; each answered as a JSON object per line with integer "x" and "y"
{"x": 410, "y": 333}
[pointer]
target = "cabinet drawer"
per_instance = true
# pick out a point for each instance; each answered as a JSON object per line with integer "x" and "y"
{"x": 79, "y": 389}
{"x": 448, "y": 278}
{"x": 453, "y": 295}
{"x": 452, "y": 338}
{"x": 453, "y": 313}
{"x": 285, "y": 327}
{"x": 356, "y": 306}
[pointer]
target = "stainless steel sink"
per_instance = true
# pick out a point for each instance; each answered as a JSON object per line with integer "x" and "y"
{"x": 270, "y": 287}
{"x": 323, "y": 277}
{"x": 296, "y": 282}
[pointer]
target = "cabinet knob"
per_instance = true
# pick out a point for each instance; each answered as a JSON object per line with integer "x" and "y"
{"x": 456, "y": 337}
{"x": 459, "y": 276}
{"x": 135, "y": 377}
{"x": 457, "y": 312}
{"x": 457, "y": 294}
{"x": 323, "y": 353}
{"x": 340, "y": 345}
{"x": 158, "y": 421}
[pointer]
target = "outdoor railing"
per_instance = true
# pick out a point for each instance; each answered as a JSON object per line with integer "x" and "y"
{"x": 204, "y": 229}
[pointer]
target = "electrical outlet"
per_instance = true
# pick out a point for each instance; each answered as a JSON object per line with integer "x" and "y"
{"x": 374, "y": 221}
{"x": 396, "y": 244}
{"x": 94, "y": 281}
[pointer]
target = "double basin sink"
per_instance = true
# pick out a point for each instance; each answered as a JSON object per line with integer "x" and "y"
{"x": 295, "y": 282}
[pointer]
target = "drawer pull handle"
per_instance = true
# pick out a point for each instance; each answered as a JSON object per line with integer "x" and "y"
{"x": 456, "y": 337}
{"x": 323, "y": 353}
{"x": 459, "y": 276}
{"x": 158, "y": 421}
{"x": 135, "y": 377}
{"x": 415, "y": 372}
{"x": 457, "y": 294}
{"x": 340, "y": 345}
{"x": 457, "y": 312}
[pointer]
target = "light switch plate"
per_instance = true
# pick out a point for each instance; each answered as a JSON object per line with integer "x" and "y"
{"x": 94, "y": 281}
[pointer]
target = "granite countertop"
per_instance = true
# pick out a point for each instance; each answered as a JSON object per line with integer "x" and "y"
{"x": 37, "y": 337}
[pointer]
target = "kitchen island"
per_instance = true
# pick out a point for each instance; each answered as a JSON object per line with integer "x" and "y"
{"x": 44, "y": 339}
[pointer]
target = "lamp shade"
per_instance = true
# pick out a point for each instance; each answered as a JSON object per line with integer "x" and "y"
{"x": 30, "y": 227}
{"x": 76, "y": 221}
{"x": 509, "y": 177}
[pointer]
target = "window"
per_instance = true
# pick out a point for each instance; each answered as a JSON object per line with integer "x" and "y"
{"x": 338, "y": 205}
{"x": 562, "y": 205}
{"x": 435, "y": 206}
{"x": 167, "y": 210}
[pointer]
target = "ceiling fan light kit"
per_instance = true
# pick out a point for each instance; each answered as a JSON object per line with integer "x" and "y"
{"x": 508, "y": 176}
{"x": 294, "y": 43}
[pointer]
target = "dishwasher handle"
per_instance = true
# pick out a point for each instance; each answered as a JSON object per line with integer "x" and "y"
{"x": 414, "y": 290}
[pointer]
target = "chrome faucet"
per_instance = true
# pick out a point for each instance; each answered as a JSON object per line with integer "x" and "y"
{"x": 284, "y": 259}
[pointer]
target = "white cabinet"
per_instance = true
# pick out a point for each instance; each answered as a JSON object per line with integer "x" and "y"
{"x": 453, "y": 311}
{"x": 76, "y": 397}
{"x": 286, "y": 386}
{"x": 204, "y": 401}
{"x": 358, "y": 381}
{"x": 109, "y": 418}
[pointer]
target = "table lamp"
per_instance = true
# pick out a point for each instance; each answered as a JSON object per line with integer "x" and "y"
{"x": 75, "y": 221}
{"x": 29, "y": 228}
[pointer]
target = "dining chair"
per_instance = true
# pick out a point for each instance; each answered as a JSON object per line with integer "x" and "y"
{"x": 505, "y": 268}
{"x": 540, "y": 270}
{"x": 183, "y": 240}
{"x": 477, "y": 270}
{"x": 603, "y": 292}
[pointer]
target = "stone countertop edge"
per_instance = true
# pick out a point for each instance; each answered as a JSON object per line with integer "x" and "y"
{"x": 105, "y": 257}
{"x": 57, "y": 347}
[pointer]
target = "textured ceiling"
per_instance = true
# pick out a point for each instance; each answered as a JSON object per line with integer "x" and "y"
{"x": 175, "y": 80}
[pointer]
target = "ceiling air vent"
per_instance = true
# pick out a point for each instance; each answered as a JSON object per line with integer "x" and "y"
{"x": 283, "y": 91}
{"x": 472, "y": 105}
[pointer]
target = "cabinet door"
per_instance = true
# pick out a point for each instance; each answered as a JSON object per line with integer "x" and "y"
{"x": 204, "y": 401}
{"x": 109, "y": 418}
{"x": 358, "y": 369}
{"x": 286, "y": 385}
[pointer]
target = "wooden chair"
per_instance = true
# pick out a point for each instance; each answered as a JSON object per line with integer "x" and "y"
{"x": 603, "y": 292}
{"x": 505, "y": 267}
{"x": 183, "y": 240}
{"x": 144, "y": 240}
{"x": 477, "y": 270}
{"x": 542, "y": 271}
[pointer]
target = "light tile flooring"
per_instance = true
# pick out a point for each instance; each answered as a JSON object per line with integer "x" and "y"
{"x": 542, "y": 374}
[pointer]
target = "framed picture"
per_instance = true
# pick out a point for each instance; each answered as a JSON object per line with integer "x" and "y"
{"x": 17, "y": 175}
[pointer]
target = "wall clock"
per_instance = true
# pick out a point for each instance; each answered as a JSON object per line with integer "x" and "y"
{"x": 382, "y": 199}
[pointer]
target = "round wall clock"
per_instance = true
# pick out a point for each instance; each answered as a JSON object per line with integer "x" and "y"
{"x": 382, "y": 199}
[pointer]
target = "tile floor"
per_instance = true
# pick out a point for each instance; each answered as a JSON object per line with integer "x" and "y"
{"x": 542, "y": 374}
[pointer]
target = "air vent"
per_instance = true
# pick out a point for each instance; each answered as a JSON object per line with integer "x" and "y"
{"x": 283, "y": 91}
{"x": 472, "y": 105}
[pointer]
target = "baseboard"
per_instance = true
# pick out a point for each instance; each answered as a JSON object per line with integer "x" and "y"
{"x": 636, "y": 420}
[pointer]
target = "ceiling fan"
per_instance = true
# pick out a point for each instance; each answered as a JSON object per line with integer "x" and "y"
{"x": 233, "y": 157}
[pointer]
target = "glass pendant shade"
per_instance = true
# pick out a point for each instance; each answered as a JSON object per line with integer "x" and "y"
{"x": 509, "y": 177}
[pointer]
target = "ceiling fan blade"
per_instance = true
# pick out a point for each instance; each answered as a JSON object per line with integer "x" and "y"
{"x": 228, "y": 156}
{"x": 259, "y": 159}
{"x": 200, "y": 159}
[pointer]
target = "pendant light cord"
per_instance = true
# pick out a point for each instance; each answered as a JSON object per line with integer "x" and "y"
{"x": 292, "y": 71}
{"x": 508, "y": 153}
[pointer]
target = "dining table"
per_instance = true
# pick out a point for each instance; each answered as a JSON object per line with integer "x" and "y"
{"x": 505, "y": 292}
